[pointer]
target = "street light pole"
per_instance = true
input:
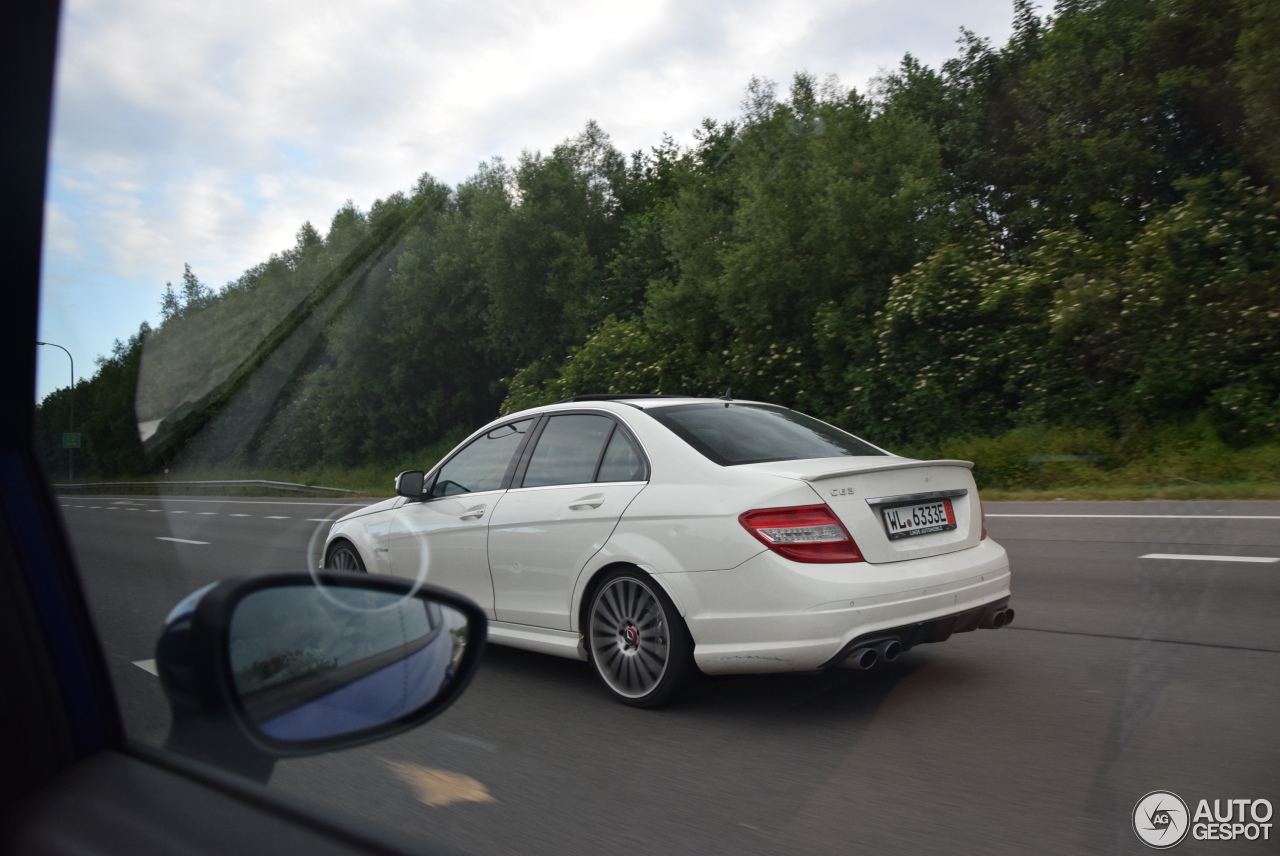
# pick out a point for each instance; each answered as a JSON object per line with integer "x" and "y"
{"x": 71, "y": 420}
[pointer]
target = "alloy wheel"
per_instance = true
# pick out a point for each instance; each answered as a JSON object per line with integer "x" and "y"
{"x": 630, "y": 637}
{"x": 344, "y": 558}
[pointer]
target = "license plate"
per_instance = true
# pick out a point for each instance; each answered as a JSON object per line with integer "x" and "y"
{"x": 919, "y": 518}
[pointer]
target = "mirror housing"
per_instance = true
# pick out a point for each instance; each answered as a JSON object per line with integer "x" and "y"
{"x": 409, "y": 483}
{"x": 285, "y": 665}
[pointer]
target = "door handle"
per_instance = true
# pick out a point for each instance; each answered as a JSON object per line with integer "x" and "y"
{"x": 587, "y": 502}
{"x": 472, "y": 513}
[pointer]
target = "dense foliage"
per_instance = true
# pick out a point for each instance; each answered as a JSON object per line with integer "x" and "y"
{"x": 1075, "y": 231}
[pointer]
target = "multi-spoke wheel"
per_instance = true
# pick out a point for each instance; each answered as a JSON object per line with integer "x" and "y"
{"x": 342, "y": 556}
{"x": 637, "y": 641}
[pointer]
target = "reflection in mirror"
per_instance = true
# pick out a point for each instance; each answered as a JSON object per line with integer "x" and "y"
{"x": 311, "y": 663}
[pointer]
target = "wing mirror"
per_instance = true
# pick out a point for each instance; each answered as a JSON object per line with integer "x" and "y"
{"x": 294, "y": 664}
{"x": 409, "y": 483}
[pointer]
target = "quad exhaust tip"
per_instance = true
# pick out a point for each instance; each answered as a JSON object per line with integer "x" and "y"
{"x": 889, "y": 650}
{"x": 1001, "y": 618}
{"x": 861, "y": 658}
{"x": 871, "y": 655}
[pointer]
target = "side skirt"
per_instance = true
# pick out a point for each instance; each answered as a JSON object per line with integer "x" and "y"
{"x": 558, "y": 643}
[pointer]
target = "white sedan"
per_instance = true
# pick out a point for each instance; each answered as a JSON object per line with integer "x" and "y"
{"x": 654, "y": 536}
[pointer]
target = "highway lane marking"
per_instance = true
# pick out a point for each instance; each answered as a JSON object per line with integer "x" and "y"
{"x": 207, "y": 513}
{"x": 147, "y": 666}
{"x": 1198, "y": 558}
{"x": 1155, "y": 516}
{"x": 1142, "y": 639}
{"x": 181, "y": 540}
{"x": 361, "y": 501}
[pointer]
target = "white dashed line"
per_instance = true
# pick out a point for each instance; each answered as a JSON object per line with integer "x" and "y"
{"x": 239, "y": 515}
{"x": 1267, "y": 560}
{"x": 314, "y": 503}
{"x": 206, "y": 512}
{"x": 180, "y": 540}
{"x": 319, "y": 519}
{"x": 276, "y": 517}
{"x": 174, "y": 512}
{"x": 154, "y": 510}
{"x": 147, "y": 666}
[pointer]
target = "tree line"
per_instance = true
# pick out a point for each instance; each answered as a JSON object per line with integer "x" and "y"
{"x": 1078, "y": 228}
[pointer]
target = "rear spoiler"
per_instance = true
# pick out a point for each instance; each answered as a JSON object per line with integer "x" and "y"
{"x": 905, "y": 465}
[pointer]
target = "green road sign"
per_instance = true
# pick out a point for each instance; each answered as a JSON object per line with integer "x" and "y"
{"x": 71, "y": 440}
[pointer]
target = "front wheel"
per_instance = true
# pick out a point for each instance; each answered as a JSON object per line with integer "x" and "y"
{"x": 637, "y": 641}
{"x": 342, "y": 556}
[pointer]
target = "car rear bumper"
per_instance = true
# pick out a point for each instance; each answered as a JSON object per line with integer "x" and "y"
{"x": 770, "y": 614}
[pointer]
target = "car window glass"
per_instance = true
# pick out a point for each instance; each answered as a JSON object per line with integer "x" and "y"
{"x": 747, "y": 433}
{"x": 483, "y": 463}
{"x": 568, "y": 450}
{"x": 621, "y": 460}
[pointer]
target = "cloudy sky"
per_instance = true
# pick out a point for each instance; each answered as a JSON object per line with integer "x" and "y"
{"x": 207, "y": 133}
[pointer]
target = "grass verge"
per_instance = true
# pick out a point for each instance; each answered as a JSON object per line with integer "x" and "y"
{"x": 1029, "y": 464}
{"x": 1241, "y": 491}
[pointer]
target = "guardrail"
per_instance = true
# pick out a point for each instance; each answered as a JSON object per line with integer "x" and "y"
{"x": 266, "y": 483}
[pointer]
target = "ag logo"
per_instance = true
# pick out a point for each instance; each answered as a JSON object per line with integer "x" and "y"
{"x": 1160, "y": 819}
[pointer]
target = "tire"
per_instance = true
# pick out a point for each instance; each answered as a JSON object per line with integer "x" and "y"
{"x": 343, "y": 556}
{"x": 636, "y": 640}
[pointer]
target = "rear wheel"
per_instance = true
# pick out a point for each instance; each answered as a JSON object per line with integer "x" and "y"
{"x": 342, "y": 556}
{"x": 637, "y": 642}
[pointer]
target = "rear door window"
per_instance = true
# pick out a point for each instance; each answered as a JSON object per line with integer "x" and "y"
{"x": 568, "y": 450}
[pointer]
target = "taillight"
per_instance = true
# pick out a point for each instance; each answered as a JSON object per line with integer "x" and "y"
{"x": 803, "y": 533}
{"x": 982, "y": 513}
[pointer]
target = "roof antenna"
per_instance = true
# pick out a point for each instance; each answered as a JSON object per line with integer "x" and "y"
{"x": 728, "y": 394}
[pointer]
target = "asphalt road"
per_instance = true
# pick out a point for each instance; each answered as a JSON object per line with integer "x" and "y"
{"x": 1121, "y": 675}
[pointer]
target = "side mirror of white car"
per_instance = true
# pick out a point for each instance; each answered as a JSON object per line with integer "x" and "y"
{"x": 409, "y": 483}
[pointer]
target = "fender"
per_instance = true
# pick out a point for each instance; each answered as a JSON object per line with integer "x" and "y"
{"x": 649, "y": 555}
{"x": 365, "y": 530}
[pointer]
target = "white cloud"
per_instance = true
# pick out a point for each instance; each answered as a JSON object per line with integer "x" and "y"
{"x": 208, "y": 132}
{"x": 61, "y": 233}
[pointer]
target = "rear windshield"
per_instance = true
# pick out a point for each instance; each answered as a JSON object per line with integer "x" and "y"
{"x": 732, "y": 434}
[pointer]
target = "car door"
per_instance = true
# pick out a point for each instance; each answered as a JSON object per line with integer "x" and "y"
{"x": 442, "y": 538}
{"x": 583, "y": 472}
